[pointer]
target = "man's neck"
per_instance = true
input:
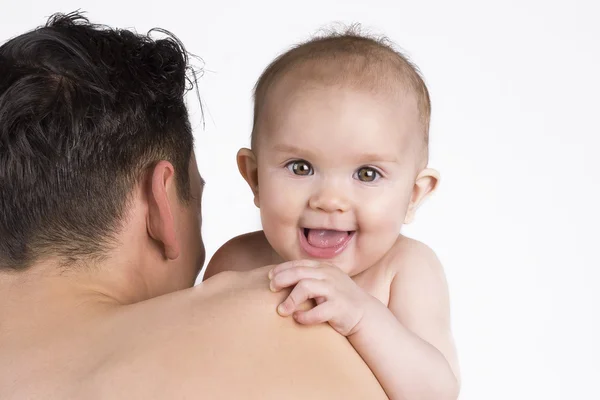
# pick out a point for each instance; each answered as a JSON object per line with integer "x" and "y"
{"x": 49, "y": 290}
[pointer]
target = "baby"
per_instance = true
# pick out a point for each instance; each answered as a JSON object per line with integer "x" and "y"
{"x": 338, "y": 163}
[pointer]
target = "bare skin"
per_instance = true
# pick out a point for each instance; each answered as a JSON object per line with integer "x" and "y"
{"x": 408, "y": 285}
{"x": 133, "y": 327}
{"x": 182, "y": 345}
{"x": 333, "y": 200}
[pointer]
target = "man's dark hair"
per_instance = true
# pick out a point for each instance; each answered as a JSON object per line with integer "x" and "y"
{"x": 85, "y": 110}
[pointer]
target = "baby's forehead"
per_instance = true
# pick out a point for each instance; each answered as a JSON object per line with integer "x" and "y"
{"x": 347, "y": 119}
{"x": 350, "y": 72}
{"x": 306, "y": 97}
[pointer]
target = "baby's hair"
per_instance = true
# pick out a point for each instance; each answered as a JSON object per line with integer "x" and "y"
{"x": 360, "y": 60}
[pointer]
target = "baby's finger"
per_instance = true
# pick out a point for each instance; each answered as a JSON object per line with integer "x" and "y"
{"x": 317, "y": 315}
{"x": 293, "y": 264}
{"x": 305, "y": 289}
{"x": 292, "y": 276}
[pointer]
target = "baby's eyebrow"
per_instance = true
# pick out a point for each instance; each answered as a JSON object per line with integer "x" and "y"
{"x": 291, "y": 149}
{"x": 377, "y": 157}
{"x": 361, "y": 158}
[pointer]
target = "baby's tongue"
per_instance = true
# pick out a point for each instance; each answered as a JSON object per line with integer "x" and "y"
{"x": 325, "y": 238}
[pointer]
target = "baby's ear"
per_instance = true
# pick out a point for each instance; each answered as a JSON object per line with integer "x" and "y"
{"x": 425, "y": 184}
{"x": 246, "y": 161}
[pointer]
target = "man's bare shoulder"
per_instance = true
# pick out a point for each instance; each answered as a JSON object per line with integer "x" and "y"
{"x": 242, "y": 253}
{"x": 224, "y": 339}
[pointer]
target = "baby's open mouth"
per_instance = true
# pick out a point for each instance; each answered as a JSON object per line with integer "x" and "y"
{"x": 326, "y": 238}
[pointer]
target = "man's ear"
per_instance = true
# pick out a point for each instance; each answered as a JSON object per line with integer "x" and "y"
{"x": 161, "y": 192}
{"x": 246, "y": 161}
{"x": 425, "y": 184}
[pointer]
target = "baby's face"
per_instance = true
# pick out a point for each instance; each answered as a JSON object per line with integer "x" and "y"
{"x": 336, "y": 170}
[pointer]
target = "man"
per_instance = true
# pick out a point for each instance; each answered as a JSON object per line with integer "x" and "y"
{"x": 100, "y": 240}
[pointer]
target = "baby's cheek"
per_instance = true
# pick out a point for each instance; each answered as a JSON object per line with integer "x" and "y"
{"x": 379, "y": 231}
{"x": 382, "y": 215}
{"x": 281, "y": 207}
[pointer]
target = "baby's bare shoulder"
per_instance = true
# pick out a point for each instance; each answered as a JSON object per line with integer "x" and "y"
{"x": 409, "y": 256}
{"x": 241, "y": 253}
{"x": 247, "y": 243}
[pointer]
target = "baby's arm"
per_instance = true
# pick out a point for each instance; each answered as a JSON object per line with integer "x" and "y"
{"x": 410, "y": 347}
{"x": 242, "y": 253}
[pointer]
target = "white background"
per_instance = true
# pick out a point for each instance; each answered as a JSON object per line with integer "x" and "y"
{"x": 515, "y": 88}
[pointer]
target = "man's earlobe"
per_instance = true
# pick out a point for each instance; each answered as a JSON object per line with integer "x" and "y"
{"x": 160, "y": 222}
{"x": 426, "y": 183}
{"x": 248, "y": 167}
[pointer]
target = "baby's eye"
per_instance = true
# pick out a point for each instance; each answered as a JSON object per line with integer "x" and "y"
{"x": 300, "y": 167}
{"x": 367, "y": 174}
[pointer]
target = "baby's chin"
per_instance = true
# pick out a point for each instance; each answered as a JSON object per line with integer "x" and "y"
{"x": 352, "y": 269}
{"x": 349, "y": 267}
{"x": 353, "y": 263}
{"x": 347, "y": 261}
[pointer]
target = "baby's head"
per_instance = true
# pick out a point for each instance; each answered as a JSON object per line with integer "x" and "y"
{"x": 339, "y": 150}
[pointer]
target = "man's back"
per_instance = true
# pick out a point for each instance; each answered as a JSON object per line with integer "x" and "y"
{"x": 222, "y": 340}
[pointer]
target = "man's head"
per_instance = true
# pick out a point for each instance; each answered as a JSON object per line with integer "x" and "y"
{"x": 87, "y": 114}
{"x": 339, "y": 149}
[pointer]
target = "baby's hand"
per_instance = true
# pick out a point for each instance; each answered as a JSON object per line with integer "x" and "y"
{"x": 340, "y": 301}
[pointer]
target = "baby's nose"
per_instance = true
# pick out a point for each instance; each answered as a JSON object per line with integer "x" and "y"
{"x": 329, "y": 199}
